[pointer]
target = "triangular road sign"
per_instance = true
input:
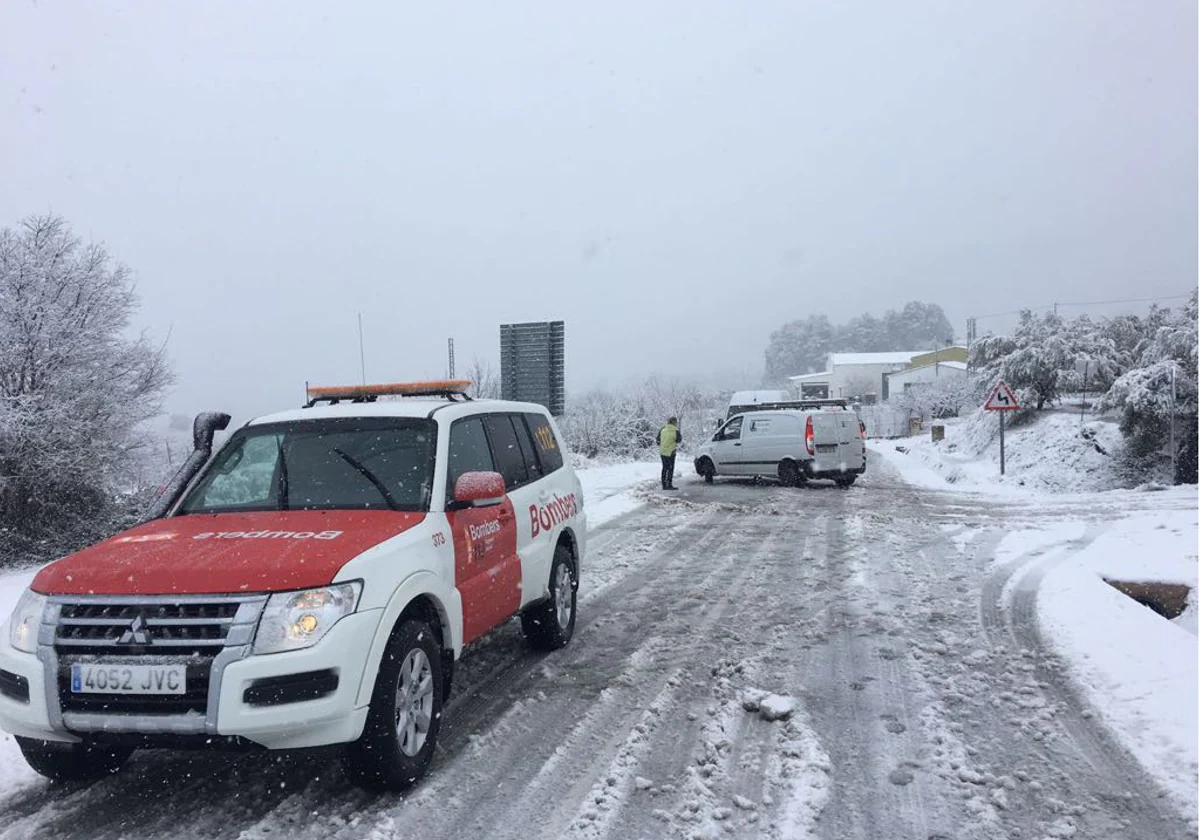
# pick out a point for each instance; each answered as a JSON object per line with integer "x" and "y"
{"x": 1002, "y": 399}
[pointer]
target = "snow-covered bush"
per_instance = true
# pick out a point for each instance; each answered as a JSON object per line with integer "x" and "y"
{"x": 626, "y": 423}
{"x": 73, "y": 389}
{"x": 944, "y": 397}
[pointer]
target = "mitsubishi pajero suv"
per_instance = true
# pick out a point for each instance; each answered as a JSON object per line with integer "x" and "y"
{"x": 313, "y": 583}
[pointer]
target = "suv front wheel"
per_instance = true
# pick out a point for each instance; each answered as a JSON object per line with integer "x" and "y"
{"x": 406, "y": 711}
{"x": 550, "y": 624}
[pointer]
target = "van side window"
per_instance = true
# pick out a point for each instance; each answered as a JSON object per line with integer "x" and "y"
{"x": 760, "y": 426}
{"x": 469, "y": 452}
{"x": 528, "y": 450}
{"x": 731, "y": 431}
{"x": 506, "y": 449}
{"x": 546, "y": 443}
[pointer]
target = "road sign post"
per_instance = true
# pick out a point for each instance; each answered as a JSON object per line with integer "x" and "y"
{"x": 1001, "y": 400}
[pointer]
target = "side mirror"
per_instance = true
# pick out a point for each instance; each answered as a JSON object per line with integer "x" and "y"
{"x": 479, "y": 489}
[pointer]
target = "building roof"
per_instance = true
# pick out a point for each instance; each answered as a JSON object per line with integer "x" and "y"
{"x": 897, "y": 358}
{"x": 812, "y": 377}
{"x": 752, "y": 397}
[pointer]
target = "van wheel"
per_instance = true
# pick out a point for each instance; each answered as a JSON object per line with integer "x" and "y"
{"x": 707, "y": 470}
{"x": 789, "y": 474}
{"x": 72, "y": 762}
{"x": 406, "y": 713}
{"x": 550, "y": 624}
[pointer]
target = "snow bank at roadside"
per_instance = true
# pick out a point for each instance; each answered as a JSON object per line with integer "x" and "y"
{"x": 1136, "y": 668}
{"x": 608, "y": 490}
{"x": 1053, "y": 452}
{"x": 14, "y": 772}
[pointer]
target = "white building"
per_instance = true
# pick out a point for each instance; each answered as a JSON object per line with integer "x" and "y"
{"x": 849, "y": 375}
{"x": 925, "y": 375}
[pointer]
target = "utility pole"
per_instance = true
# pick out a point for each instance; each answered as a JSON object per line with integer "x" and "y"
{"x": 1174, "y": 455}
{"x": 1083, "y": 402}
{"x": 450, "y": 366}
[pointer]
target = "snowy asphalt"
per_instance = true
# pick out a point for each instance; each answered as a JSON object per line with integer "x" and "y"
{"x": 924, "y": 709}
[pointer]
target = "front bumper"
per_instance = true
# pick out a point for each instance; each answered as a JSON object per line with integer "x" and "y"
{"x": 327, "y": 712}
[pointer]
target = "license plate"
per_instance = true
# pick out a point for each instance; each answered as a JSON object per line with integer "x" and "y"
{"x": 97, "y": 678}
{"x": 827, "y": 447}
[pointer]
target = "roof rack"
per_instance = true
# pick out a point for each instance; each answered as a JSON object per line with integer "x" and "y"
{"x": 451, "y": 389}
{"x": 788, "y": 405}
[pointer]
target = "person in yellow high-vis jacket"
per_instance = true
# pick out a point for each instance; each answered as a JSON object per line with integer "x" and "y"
{"x": 669, "y": 439}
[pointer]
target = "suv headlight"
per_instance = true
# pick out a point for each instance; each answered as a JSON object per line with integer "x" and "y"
{"x": 296, "y": 620}
{"x": 23, "y": 626}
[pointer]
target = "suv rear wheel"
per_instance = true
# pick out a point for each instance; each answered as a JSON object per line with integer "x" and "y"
{"x": 406, "y": 713}
{"x": 550, "y": 624}
{"x": 72, "y": 762}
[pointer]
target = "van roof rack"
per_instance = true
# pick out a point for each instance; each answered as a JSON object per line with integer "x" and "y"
{"x": 450, "y": 389}
{"x": 790, "y": 405}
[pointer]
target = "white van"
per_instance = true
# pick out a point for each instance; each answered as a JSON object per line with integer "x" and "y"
{"x": 793, "y": 446}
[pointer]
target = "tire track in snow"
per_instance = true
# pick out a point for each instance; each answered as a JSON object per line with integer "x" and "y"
{"x": 254, "y": 788}
{"x": 1141, "y": 809}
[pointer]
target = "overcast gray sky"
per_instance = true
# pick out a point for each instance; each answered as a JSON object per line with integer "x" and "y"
{"x": 675, "y": 179}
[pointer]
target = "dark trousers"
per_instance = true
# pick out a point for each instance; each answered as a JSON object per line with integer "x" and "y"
{"x": 668, "y": 472}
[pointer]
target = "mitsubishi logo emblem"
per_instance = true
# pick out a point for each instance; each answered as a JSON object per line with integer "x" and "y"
{"x": 136, "y": 634}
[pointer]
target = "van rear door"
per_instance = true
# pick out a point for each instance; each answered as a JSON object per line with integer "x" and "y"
{"x": 850, "y": 442}
{"x": 827, "y": 456}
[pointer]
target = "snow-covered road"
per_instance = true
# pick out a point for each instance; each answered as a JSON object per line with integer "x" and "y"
{"x": 927, "y": 703}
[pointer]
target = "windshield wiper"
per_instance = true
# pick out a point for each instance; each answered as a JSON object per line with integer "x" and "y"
{"x": 283, "y": 476}
{"x": 369, "y": 476}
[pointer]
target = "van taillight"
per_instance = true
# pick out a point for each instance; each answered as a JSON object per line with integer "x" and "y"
{"x": 862, "y": 429}
{"x": 808, "y": 436}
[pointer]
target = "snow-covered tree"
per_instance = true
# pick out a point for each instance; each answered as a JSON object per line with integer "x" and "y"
{"x": 799, "y": 347}
{"x": 73, "y": 389}
{"x": 803, "y": 346}
{"x": 916, "y": 327}
{"x": 485, "y": 381}
{"x": 1032, "y": 360}
{"x": 1143, "y": 396}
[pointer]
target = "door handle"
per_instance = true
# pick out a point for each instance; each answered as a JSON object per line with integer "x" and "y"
{"x": 737, "y": 444}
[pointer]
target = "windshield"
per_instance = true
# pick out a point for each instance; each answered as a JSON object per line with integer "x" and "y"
{"x": 351, "y": 464}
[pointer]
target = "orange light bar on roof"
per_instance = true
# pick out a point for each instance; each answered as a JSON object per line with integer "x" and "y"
{"x": 393, "y": 389}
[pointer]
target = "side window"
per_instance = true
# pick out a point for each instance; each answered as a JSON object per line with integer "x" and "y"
{"x": 546, "y": 443}
{"x": 760, "y": 426}
{"x": 528, "y": 451}
{"x": 510, "y": 463}
{"x": 732, "y": 430}
{"x": 469, "y": 452}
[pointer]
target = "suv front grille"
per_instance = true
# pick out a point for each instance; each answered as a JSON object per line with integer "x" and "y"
{"x": 158, "y": 625}
{"x": 152, "y": 630}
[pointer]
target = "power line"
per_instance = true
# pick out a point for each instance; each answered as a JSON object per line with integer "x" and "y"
{"x": 1082, "y": 303}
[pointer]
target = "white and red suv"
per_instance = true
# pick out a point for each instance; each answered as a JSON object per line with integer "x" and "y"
{"x": 311, "y": 584}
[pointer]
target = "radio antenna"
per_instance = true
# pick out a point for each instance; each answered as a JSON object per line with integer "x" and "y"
{"x": 362, "y": 356}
